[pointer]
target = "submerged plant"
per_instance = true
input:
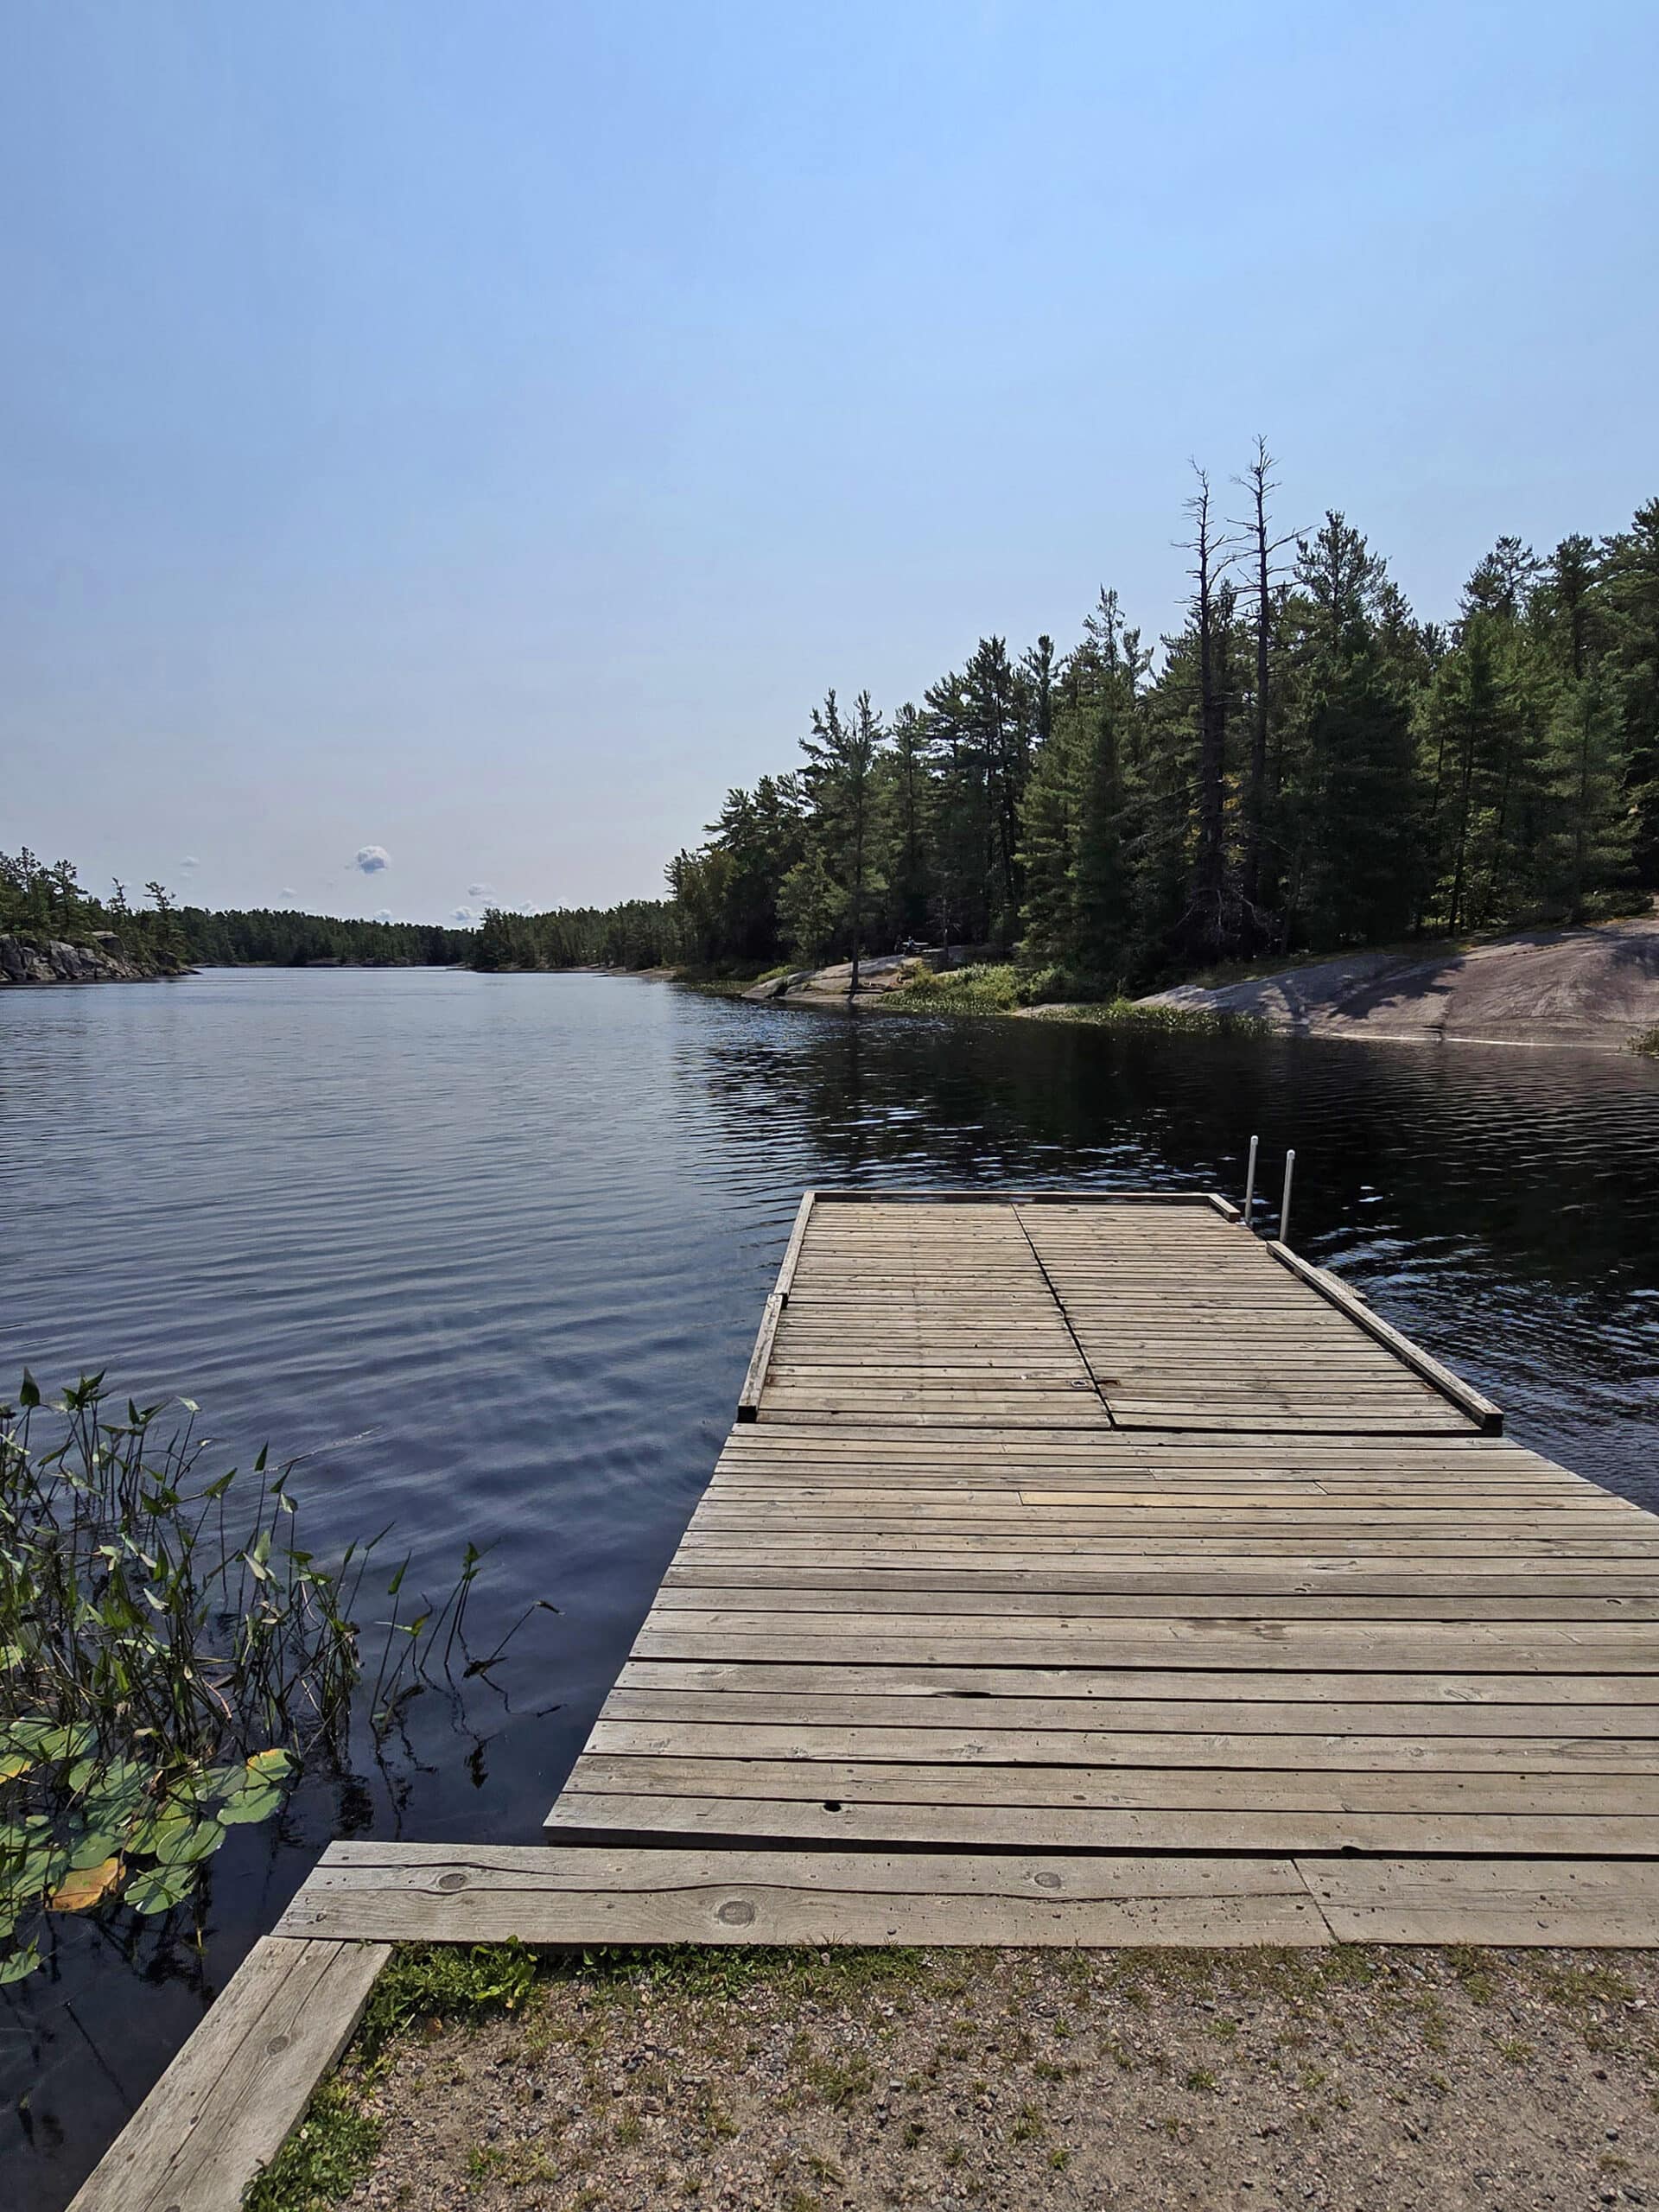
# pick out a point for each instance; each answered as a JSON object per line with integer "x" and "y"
{"x": 169, "y": 1656}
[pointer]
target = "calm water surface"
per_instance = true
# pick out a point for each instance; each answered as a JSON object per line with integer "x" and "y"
{"x": 491, "y": 1251}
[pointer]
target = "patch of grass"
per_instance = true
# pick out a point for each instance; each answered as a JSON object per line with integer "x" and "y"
{"x": 984, "y": 990}
{"x": 1576, "y": 1986}
{"x": 1474, "y": 1972}
{"x": 834, "y": 2082}
{"x": 324, "y": 2159}
{"x": 333, "y": 2146}
{"x": 1646, "y": 1041}
{"x": 455, "y": 1983}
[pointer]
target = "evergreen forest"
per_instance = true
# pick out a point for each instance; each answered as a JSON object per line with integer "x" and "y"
{"x": 1305, "y": 764}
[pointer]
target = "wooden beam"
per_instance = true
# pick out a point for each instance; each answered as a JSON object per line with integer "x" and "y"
{"x": 793, "y": 1251}
{"x": 1486, "y": 1417}
{"x": 446, "y": 1893}
{"x": 230, "y": 2100}
{"x": 755, "y": 1382}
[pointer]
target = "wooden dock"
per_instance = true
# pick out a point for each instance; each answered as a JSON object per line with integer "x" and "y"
{"x": 1080, "y": 1569}
{"x": 1096, "y": 1524}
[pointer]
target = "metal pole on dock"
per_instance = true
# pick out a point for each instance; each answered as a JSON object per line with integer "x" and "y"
{"x": 1284, "y": 1201}
{"x": 1249, "y": 1183}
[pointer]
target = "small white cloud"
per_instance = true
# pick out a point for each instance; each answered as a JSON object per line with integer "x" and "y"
{"x": 384, "y": 914}
{"x": 479, "y": 891}
{"x": 463, "y": 914}
{"x": 288, "y": 891}
{"x": 371, "y": 859}
{"x": 189, "y": 861}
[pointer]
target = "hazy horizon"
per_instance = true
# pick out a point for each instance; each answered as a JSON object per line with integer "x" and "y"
{"x": 445, "y": 450}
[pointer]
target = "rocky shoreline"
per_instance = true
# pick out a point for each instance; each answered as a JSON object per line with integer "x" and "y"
{"x": 1591, "y": 988}
{"x": 54, "y": 960}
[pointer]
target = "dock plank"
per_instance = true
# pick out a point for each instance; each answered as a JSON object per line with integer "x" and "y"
{"x": 443, "y": 1893}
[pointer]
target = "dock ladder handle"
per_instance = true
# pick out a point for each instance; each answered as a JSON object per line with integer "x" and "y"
{"x": 1284, "y": 1203}
{"x": 1250, "y": 1184}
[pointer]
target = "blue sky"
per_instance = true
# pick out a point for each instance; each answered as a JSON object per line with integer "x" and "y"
{"x": 478, "y": 433}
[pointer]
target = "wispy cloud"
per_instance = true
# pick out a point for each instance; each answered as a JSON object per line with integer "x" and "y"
{"x": 371, "y": 859}
{"x": 479, "y": 891}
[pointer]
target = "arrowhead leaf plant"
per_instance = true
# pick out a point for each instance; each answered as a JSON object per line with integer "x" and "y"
{"x": 170, "y": 1656}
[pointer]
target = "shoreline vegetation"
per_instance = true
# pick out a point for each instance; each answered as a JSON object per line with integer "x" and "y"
{"x": 1593, "y": 988}
{"x": 175, "y": 1660}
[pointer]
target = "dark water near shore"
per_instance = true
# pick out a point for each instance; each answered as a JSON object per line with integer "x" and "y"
{"x": 491, "y": 1251}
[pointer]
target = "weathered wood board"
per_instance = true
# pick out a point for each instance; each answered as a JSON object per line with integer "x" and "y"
{"x": 227, "y": 2103}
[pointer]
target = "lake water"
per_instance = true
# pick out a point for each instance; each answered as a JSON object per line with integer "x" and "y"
{"x": 491, "y": 1252}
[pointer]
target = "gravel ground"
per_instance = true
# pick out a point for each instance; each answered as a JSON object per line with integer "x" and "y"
{"x": 1364, "y": 2080}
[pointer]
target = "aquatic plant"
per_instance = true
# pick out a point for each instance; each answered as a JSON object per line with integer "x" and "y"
{"x": 1646, "y": 1041}
{"x": 169, "y": 1656}
{"x": 1004, "y": 988}
{"x": 1158, "y": 1018}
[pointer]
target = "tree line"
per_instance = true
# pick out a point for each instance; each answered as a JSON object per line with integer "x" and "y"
{"x": 275, "y": 936}
{"x": 1304, "y": 764}
{"x": 39, "y": 902}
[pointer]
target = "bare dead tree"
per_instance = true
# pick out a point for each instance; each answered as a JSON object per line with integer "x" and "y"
{"x": 1211, "y": 555}
{"x": 1259, "y": 481}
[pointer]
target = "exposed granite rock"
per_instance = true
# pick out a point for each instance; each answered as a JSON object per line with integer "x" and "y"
{"x": 878, "y": 974}
{"x": 51, "y": 960}
{"x": 1591, "y": 988}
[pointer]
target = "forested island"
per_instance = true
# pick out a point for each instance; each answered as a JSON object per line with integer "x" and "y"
{"x": 54, "y": 930}
{"x": 1305, "y": 765}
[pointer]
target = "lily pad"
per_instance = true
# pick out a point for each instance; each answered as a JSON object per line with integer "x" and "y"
{"x": 193, "y": 1839}
{"x": 84, "y": 1886}
{"x": 158, "y": 1888}
{"x": 256, "y": 1802}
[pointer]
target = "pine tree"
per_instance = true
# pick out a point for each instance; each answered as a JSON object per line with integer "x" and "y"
{"x": 841, "y": 781}
{"x": 1630, "y": 582}
{"x": 1592, "y": 834}
{"x": 907, "y": 808}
